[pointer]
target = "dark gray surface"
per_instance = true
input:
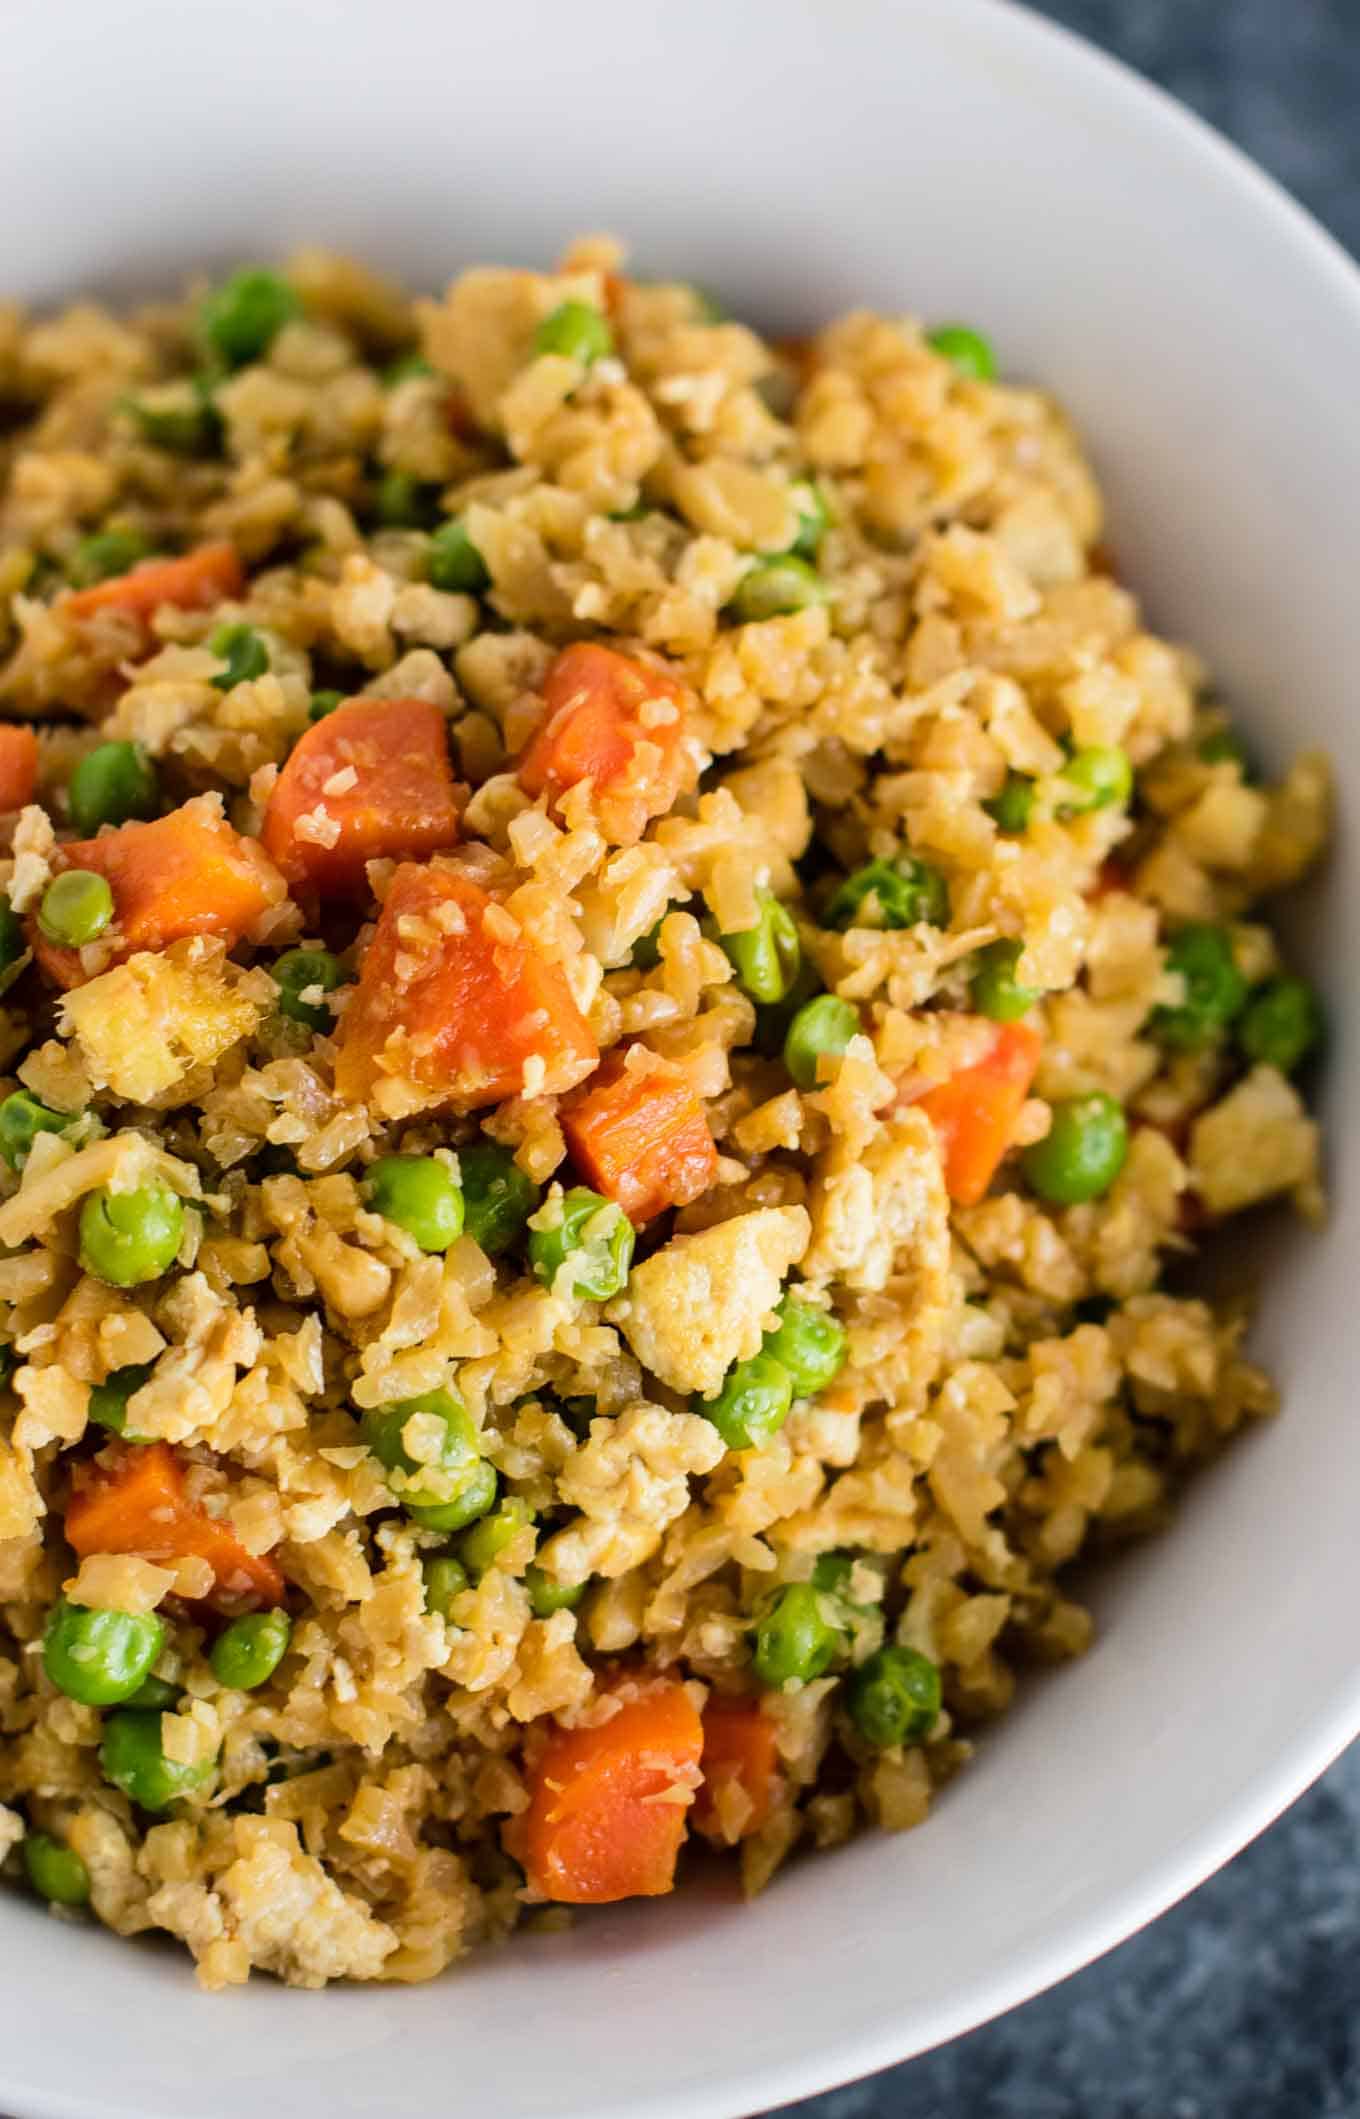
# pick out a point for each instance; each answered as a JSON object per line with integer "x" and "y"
{"x": 1243, "y": 2003}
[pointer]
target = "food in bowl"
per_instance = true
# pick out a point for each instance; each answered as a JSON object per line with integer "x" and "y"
{"x": 628, "y": 984}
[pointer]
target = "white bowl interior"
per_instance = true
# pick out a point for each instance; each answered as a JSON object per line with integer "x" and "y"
{"x": 955, "y": 159}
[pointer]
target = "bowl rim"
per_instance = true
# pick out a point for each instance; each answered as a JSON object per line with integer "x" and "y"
{"x": 1079, "y": 70}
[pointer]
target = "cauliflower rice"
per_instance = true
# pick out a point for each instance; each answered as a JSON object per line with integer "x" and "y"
{"x": 1021, "y": 1371}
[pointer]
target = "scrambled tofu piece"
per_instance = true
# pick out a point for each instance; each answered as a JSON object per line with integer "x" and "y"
{"x": 279, "y": 1902}
{"x": 1257, "y": 1141}
{"x": 21, "y": 1505}
{"x": 145, "y": 1025}
{"x": 1297, "y": 823}
{"x": 630, "y": 1480}
{"x": 866, "y": 1208}
{"x": 704, "y": 1301}
{"x": 773, "y": 791}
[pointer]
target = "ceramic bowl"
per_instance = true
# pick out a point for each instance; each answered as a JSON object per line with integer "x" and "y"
{"x": 956, "y": 158}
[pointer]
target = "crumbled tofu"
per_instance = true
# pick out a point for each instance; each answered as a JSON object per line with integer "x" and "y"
{"x": 143, "y": 1026}
{"x": 868, "y": 1208}
{"x": 629, "y": 1480}
{"x": 703, "y": 1302}
{"x": 1256, "y": 1141}
{"x": 293, "y": 1919}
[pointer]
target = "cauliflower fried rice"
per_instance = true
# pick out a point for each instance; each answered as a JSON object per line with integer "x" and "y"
{"x": 628, "y": 986}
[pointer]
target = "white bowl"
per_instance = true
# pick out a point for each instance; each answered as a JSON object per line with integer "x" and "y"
{"x": 960, "y": 159}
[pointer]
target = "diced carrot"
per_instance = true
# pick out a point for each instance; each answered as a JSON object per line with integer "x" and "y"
{"x": 188, "y": 873}
{"x": 976, "y": 1110}
{"x": 18, "y": 765}
{"x": 608, "y": 1805}
{"x": 740, "y": 1752}
{"x": 205, "y": 576}
{"x": 138, "y": 1504}
{"x": 456, "y": 1004}
{"x": 642, "y": 1139}
{"x": 377, "y": 771}
{"x": 620, "y": 724}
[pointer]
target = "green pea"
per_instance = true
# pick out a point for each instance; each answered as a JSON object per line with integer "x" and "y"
{"x": 810, "y": 1344}
{"x": 497, "y": 1196}
{"x": 480, "y": 1547}
{"x": 831, "y": 1572}
{"x": 794, "y": 1638}
{"x": 133, "y": 1761}
{"x": 766, "y": 957}
{"x": 181, "y": 419}
{"x": 108, "y": 1401}
{"x": 1222, "y": 746}
{"x": 1096, "y": 777}
{"x": 772, "y": 1024}
{"x": 127, "y": 1238}
{"x": 105, "y": 554}
{"x": 814, "y": 519}
{"x": 55, "y": 1871}
{"x": 405, "y": 503}
{"x": 994, "y": 988}
{"x": 445, "y": 1579}
{"x": 454, "y": 563}
{"x": 1215, "y": 990}
{"x": 240, "y": 320}
{"x": 22, "y": 1118}
{"x": 13, "y": 944}
{"x": 576, "y": 329}
{"x": 312, "y": 973}
{"x": 476, "y": 1497}
{"x": 246, "y": 1654}
{"x": 76, "y": 906}
{"x": 898, "y": 893}
{"x": 965, "y": 349}
{"x": 155, "y": 1692}
{"x": 464, "y": 1484}
{"x": 596, "y": 1234}
{"x": 1279, "y": 1028}
{"x": 111, "y": 785}
{"x": 403, "y": 368}
{"x": 775, "y": 588}
{"x": 323, "y": 703}
{"x": 99, "y": 1657}
{"x": 1082, "y": 1152}
{"x": 245, "y": 654}
{"x": 547, "y": 1594}
{"x": 821, "y": 1030}
{"x": 894, "y": 1697}
{"x": 753, "y": 1403}
{"x": 1011, "y": 808}
{"x": 420, "y": 1194}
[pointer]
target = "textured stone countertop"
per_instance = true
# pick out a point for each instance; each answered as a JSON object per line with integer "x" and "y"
{"x": 1244, "y": 2002}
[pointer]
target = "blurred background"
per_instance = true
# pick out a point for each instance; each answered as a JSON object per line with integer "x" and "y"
{"x": 1244, "y": 2002}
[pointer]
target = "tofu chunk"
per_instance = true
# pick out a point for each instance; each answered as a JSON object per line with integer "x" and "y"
{"x": 1256, "y": 1141}
{"x": 143, "y": 1027}
{"x": 704, "y": 1301}
{"x": 872, "y": 1210}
